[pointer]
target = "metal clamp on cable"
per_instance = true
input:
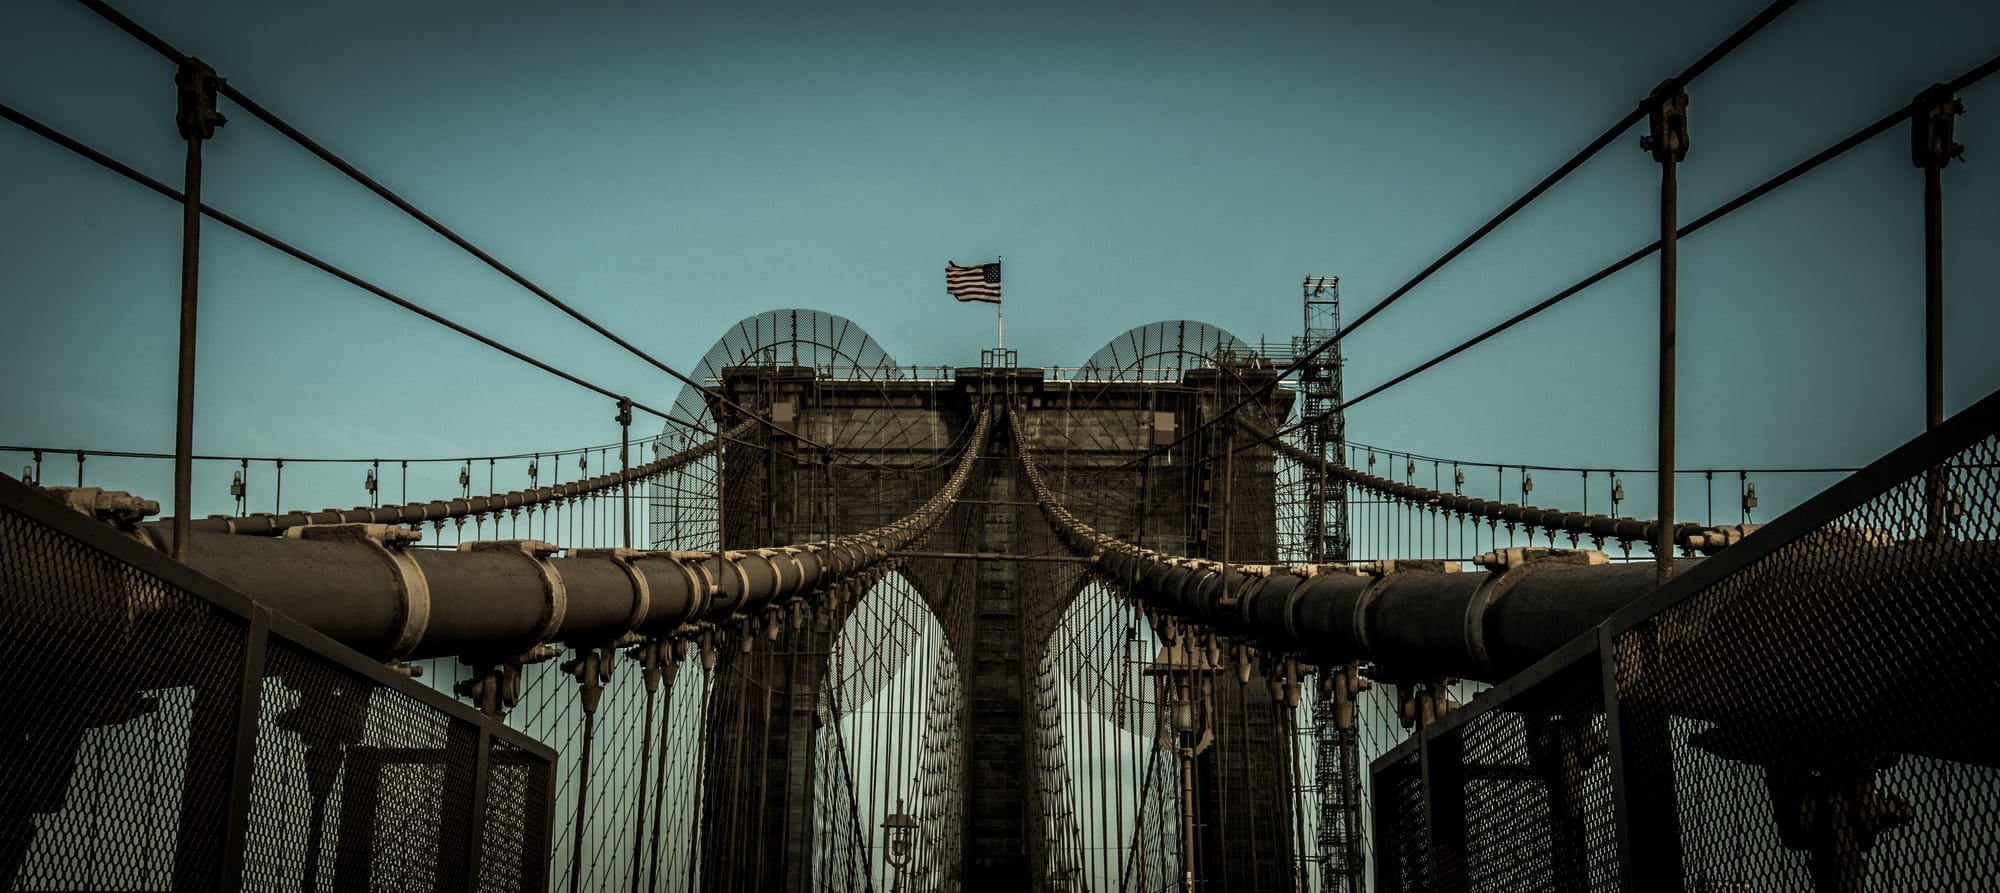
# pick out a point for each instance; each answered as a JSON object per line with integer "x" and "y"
{"x": 731, "y": 586}
{"x": 555, "y": 603}
{"x": 1934, "y": 116}
{"x": 412, "y": 588}
{"x": 642, "y": 595}
{"x": 681, "y": 589}
{"x": 195, "y": 115}
{"x": 1506, "y": 567}
{"x": 1666, "y": 115}
{"x": 1309, "y": 572}
{"x": 1386, "y": 573}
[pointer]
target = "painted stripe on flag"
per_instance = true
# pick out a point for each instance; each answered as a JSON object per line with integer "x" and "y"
{"x": 980, "y": 283}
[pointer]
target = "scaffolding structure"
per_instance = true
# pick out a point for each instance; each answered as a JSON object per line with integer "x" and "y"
{"x": 1337, "y": 769}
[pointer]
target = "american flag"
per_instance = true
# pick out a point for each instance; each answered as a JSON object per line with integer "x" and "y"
{"x": 980, "y": 283}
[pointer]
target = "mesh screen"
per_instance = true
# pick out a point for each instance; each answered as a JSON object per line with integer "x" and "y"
{"x": 1402, "y": 839}
{"x": 517, "y": 790}
{"x": 1538, "y": 800}
{"x": 121, "y": 710}
{"x": 1818, "y": 719}
{"x": 124, "y": 703}
{"x": 1828, "y": 709}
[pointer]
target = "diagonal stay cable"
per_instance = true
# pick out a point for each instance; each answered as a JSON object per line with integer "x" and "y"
{"x": 167, "y": 50}
{"x": 1715, "y": 54}
{"x": 1738, "y": 38}
{"x": 51, "y": 134}
{"x": 1974, "y": 76}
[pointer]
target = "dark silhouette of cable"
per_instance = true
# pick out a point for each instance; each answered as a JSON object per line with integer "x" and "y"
{"x": 126, "y": 24}
{"x": 1974, "y": 76}
{"x": 1728, "y": 45}
{"x": 133, "y": 28}
{"x": 124, "y": 170}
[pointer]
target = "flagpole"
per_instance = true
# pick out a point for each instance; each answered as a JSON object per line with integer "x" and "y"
{"x": 999, "y": 327}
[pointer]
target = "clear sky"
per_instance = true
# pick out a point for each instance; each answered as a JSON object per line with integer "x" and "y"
{"x": 671, "y": 168}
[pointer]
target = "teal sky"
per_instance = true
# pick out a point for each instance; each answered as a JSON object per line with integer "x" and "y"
{"x": 672, "y": 168}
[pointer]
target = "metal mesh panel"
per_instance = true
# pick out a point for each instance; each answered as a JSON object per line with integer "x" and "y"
{"x": 514, "y": 839}
{"x": 350, "y": 786}
{"x": 121, "y": 768}
{"x": 121, "y": 705}
{"x": 1538, "y": 799}
{"x": 1402, "y": 840}
{"x": 1828, "y": 708}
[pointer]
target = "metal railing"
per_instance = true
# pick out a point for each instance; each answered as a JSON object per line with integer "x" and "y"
{"x": 1810, "y": 709}
{"x": 170, "y": 733}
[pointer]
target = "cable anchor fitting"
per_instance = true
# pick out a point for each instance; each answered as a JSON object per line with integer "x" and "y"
{"x": 1932, "y": 116}
{"x": 195, "y": 115}
{"x": 1666, "y": 114}
{"x": 592, "y": 668}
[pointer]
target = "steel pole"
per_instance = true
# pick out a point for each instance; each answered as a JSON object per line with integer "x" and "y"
{"x": 1933, "y": 296}
{"x": 1667, "y": 140}
{"x": 1663, "y": 539}
{"x": 625, "y": 466}
{"x": 196, "y": 119}
{"x": 1931, "y": 147}
{"x": 184, "y": 393}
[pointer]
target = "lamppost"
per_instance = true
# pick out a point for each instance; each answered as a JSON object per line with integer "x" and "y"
{"x": 1184, "y": 668}
{"x": 899, "y": 832}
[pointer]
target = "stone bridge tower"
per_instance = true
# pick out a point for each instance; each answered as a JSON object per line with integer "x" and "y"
{"x": 893, "y": 441}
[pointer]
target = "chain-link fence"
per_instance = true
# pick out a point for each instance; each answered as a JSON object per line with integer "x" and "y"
{"x": 164, "y": 732}
{"x": 1810, "y": 710}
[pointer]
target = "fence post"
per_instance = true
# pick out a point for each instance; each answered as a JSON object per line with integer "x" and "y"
{"x": 243, "y": 756}
{"x": 475, "y": 814}
{"x": 1443, "y": 761}
{"x": 1641, "y": 751}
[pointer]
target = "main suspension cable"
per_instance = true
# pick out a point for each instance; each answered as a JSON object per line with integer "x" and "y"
{"x": 124, "y": 170}
{"x": 1974, "y": 76}
{"x": 1729, "y": 44}
{"x": 167, "y": 50}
